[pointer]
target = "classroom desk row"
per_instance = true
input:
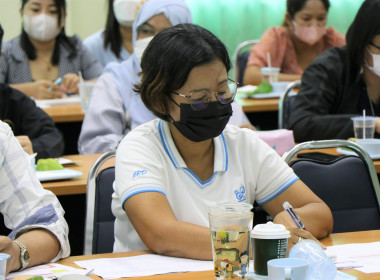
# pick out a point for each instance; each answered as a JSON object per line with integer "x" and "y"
{"x": 333, "y": 239}
{"x": 84, "y": 163}
{"x": 74, "y": 112}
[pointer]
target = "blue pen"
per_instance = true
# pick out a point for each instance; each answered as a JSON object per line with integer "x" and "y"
{"x": 58, "y": 81}
{"x": 289, "y": 209}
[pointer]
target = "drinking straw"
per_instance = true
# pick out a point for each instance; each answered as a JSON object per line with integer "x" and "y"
{"x": 269, "y": 62}
{"x": 364, "y": 124}
{"x": 80, "y": 76}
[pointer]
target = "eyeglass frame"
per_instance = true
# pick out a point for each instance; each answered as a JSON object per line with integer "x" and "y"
{"x": 215, "y": 92}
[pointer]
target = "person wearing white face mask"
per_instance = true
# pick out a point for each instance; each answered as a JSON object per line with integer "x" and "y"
{"x": 33, "y": 61}
{"x": 295, "y": 45}
{"x": 114, "y": 43}
{"x": 341, "y": 83}
{"x": 115, "y": 108}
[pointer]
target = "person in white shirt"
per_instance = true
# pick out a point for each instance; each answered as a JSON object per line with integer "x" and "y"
{"x": 35, "y": 216}
{"x": 169, "y": 171}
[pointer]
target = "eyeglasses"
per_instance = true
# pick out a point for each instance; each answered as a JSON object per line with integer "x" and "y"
{"x": 148, "y": 30}
{"x": 377, "y": 47}
{"x": 199, "y": 99}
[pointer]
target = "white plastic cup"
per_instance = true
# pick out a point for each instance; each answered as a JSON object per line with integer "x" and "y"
{"x": 85, "y": 90}
{"x": 270, "y": 74}
{"x": 230, "y": 225}
{"x": 3, "y": 265}
{"x": 321, "y": 267}
{"x": 364, "y": 128}
{"x": 287, "y": 269}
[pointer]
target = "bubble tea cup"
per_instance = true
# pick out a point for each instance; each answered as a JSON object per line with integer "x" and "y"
{"x": 269, "y": 241}
{"x": 230, "y": 225}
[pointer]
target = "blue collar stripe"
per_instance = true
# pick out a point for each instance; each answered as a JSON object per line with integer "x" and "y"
{"x": 164, "y": 143}
{"x": 283, "y": 187}
{"x": 225, "y": 152}
{"x": 140, "y": 190}
{"x": 195, "y": 179}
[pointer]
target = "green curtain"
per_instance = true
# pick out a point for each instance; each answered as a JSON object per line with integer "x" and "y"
{"x": 235, "y": 21}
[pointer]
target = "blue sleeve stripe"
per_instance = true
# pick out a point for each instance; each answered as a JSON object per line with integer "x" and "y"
{"x": 283, "y": 187}
{"x": 141, "y": 190}
{"x": 44, "y": 216}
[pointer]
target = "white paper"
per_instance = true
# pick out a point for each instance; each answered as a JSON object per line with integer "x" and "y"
{"x": 364, "y": 257}
{"x": 144, "y": 265}
{"x": 45, "y": 103}
{"x": 48, "y": 271}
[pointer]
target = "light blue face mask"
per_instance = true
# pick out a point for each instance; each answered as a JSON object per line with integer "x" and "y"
{"x": 375, "y": 69}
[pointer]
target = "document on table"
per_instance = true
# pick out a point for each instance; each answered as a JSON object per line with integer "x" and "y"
{"x": 48, "y": 271}
{"x": 364, "y": 257}
{"x": 144, "y": 265}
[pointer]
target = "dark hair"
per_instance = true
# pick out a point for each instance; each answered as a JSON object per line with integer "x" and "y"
{"x": 294, "y": 6}
{"x": 363, "y": 29}
{"x": 169, "y": 59}
{"x": 61, "y": 39}
{"x": 1, "y": 36}
{"x": 112, "y": 35}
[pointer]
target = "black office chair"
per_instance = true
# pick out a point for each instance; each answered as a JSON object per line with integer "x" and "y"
{"x": 285, "y": 104}
{"x": 348, "y": 184}
{"x": 240, "y": 57}
{"x": 99, "y": 225}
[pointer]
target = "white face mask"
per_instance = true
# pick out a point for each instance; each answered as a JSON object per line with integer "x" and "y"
{"x": 309, "y": 34}
{"x": 140, "y": 46}
{"x": 125, "y": 11}
{"x": 375, "y": 69}
{"x": 42, "y": 27}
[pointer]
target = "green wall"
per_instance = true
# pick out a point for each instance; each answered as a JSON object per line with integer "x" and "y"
{"x": 233, "y": 21}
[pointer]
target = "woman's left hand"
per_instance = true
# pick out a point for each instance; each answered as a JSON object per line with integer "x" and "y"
{"x": 70, "y": 83}
{"x": 25, "y": 143}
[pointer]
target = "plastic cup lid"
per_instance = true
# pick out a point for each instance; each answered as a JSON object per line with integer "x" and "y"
{"x": 4, "y": 256}
{"x": 270, "y": 69}
{"x": 360, "y": 118}
{"x": 270, "y": 231}
{"x": 231, "y": 208}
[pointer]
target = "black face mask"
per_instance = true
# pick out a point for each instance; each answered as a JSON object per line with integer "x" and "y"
{"x": 203, "y": 125}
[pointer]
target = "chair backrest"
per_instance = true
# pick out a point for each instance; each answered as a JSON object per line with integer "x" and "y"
{"x": 99, "y": 225}
{"x": 348, "y": 184}
{"x": 240, "y": 57}
{"x": 285, "y": 104}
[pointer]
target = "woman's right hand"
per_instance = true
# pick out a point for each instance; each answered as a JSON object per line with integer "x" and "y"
{"x": 44, "y": 89}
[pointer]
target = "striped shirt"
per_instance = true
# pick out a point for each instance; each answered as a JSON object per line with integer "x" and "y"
{"x": 15, "y": 67}
{"x": 24, "y": 203}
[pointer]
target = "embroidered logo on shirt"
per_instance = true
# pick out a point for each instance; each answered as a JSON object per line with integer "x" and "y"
{"x": 139, "y": 172}
{"x": 240, "y": 194}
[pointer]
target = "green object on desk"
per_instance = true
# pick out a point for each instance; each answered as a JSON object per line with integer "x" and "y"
{"x": 263, "y": 87}
{"x": 48, "y": 164}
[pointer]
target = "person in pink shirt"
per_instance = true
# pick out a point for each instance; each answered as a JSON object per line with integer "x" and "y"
{"x": 293, "y": 46}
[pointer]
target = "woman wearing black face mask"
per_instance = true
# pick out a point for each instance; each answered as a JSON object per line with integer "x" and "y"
{"x": 170, "y": 170}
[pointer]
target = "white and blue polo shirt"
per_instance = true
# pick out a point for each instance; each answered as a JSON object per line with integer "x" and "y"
{"x": 245, "y": 169}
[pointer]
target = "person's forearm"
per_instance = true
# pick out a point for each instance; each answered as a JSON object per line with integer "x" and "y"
{"x": 26, "y": 88}
{"x": 289, "y": 77}
{"x": 316, "y": 217}
{"x": 185, "y": 240}
{"x": 42, "y": 246}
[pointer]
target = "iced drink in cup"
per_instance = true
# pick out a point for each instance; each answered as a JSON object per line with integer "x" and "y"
{"x": 85, "y": 90}
{"x": 230, "y": 225}
{"x": 364, "y": 127}
{"x": 270, "y": 74}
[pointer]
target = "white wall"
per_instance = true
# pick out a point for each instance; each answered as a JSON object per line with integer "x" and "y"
{"x": 84, "y": 17}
